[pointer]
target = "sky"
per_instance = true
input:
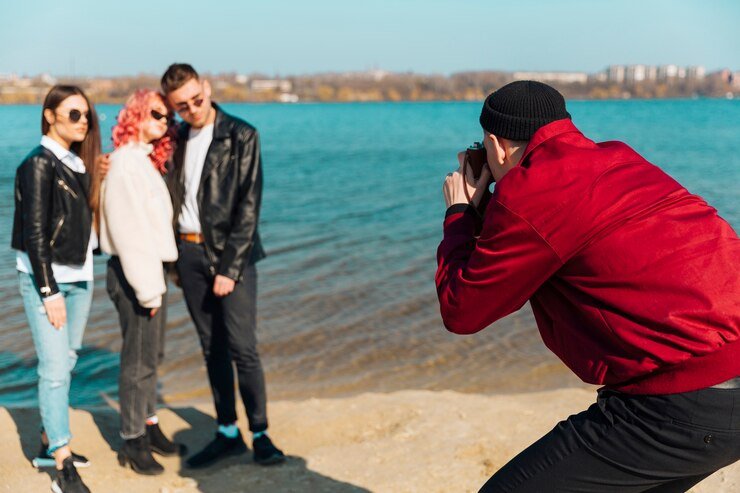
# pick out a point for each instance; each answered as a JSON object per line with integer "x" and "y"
{"x": 292, "y": 37}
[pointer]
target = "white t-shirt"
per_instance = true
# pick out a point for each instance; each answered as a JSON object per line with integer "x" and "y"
{"x": 199, "y": 140}
{"x": 64, "y": 273}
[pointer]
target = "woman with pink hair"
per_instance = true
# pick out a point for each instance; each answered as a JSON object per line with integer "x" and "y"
{"x": 136, "y": 230}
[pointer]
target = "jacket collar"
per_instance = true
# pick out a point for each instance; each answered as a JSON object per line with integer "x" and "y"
{"x": 66, "y": 156}
{"x": 221, "y": 126}
{"x": 547, "y": 132}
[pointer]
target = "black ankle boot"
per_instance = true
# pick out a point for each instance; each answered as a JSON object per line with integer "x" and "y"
{"x": 137, "y": 454}
{"x": 162, "y": 445}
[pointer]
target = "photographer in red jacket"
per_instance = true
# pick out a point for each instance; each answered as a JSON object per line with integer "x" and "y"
{"x": 634, "y": 285}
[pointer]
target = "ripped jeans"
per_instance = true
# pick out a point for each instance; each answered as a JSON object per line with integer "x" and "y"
{"x": 56, "y": 351}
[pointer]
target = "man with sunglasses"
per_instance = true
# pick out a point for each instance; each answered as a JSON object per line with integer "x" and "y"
{"x": 216, "y": 185}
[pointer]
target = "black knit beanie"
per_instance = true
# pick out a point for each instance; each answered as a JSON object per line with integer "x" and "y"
{"x": 518, "y": 109}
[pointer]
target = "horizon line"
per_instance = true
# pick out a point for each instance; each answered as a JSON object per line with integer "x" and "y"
{"x": 277, "y": 74}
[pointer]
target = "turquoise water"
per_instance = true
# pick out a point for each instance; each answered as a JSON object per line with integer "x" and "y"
{"x": 351, "y": 219}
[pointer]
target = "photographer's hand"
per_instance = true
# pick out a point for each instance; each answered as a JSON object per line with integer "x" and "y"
{"x": 454, "y": 185}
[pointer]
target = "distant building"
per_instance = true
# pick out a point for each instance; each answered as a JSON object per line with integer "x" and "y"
{"x": 288, "y": 98}
{"x": 262, "y": 85}
{"x": 241, "y": 79}
{"x": 666, "y": 72}
{"x": 221, "y": 84}
{"x": 562, "y": 77}
{"x": 48, "y": 79}
{"x": 22, "y": 82}
{"x": 695, "y": 73}
{"x": 599, "y": 76}
{"x": 375, "y": 74}
{"x": 378, "y": 75}
{"x": 101, "y": 85}
{"x": 724, "y": 75}
{"x": 615, "y": 73}
{"x": 635, "y": 73}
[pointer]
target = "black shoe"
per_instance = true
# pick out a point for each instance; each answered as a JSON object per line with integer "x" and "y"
{"x": 220, "y": 447}
{"x": 137, "y": 454}
{"x": 162, "y": 445}
{"x": 68, "y": 480}
{"x": 44, "y": 459}
{"x": 265, "y": 453}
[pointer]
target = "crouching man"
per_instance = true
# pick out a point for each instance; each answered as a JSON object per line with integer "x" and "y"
{"x": 634, "y": 285}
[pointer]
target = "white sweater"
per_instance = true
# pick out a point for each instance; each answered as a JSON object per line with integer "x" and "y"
{"x": 136, "y": 221}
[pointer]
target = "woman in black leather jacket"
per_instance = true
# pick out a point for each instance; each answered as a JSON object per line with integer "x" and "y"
{"x": 54, "y": 238}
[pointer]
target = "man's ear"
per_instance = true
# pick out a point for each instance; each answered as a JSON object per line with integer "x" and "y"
{"x": 498, "y": 147}
{"x": 207, "y": 88}
{"x": 49, "y": 116}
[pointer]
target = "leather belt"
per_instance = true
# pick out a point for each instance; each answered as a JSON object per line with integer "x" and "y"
{"x": 733, "y": 383}
{"x": 192, "y": 237}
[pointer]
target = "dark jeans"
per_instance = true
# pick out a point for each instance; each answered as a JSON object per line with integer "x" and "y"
{"x": 141, "y": 353}
{"x": 623, "y": 443}
{"x": 226, "y": 327}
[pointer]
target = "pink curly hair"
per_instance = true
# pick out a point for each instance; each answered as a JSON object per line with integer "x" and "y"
{"x": 130, "y": 118}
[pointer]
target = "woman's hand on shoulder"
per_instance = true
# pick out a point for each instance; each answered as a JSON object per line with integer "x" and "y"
{"x": 102, "y": 165}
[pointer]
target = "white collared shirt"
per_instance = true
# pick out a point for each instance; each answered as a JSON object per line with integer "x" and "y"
{"x": 199, "y": 140}
{"x": 63, "y": 273}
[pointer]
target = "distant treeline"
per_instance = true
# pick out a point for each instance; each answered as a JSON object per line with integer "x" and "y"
{"x": 370, "y": 86}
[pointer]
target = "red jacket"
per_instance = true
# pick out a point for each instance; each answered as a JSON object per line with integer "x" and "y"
{"x": 633, "y": 281}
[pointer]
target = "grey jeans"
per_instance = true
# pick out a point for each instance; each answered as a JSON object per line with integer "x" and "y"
{"x": 141, "y": 353}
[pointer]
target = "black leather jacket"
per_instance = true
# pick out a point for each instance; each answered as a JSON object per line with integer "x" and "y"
{"x": 229, "y": 195}
{"x": 52, "y": 221}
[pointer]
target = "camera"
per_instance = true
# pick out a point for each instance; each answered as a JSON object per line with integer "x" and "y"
{"x": 475, "y": 157}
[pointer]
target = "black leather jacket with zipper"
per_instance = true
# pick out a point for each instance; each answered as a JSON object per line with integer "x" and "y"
{"x": 53, "y": 220}
{"x": 229, "y": 194}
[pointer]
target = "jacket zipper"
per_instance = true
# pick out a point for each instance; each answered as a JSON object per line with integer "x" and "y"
{"x": 66, "y": 187}
{"x": 46, "y": 288}
{"x": 56, "y": 232}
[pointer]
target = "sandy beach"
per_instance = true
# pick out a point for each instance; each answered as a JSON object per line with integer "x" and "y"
{"x": 408, "y": 441}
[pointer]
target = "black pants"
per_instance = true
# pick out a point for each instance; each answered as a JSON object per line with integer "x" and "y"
{"x": 141, "y": 352}
{"x": 226, "y": 327}
{"x": 628, "y": 443}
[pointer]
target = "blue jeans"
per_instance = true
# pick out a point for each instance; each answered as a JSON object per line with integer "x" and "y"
{"x": 56, "y": 351}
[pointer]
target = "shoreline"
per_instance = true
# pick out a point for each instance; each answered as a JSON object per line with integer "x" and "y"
{"x": 403, "y": 101}
{"x": 405, "y": 441}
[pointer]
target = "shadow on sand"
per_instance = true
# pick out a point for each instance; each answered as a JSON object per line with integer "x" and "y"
{"x": 241, "y": 473}
{"x": 236, "y": 473}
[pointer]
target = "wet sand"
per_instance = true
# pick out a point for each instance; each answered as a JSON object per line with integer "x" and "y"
{"x": 407, "y": 441}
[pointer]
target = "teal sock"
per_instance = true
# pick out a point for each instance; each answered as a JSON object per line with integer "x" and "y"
{"x": 255, "y": 436}
{"x": 229, "y": 431}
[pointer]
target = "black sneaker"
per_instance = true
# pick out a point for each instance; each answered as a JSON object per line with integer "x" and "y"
{"x": 68, "y": 480}
{"x": 44, "y": 459}
{"x": 265, "y": 453}
{"x": 162, "y": 445}
{"x": 220, "y": 447}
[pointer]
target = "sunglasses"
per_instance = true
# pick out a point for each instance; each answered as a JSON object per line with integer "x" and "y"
{"x": 75, "y": 115}
{"x": 185, "y": 106}
{"x": 159, "y": 116}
